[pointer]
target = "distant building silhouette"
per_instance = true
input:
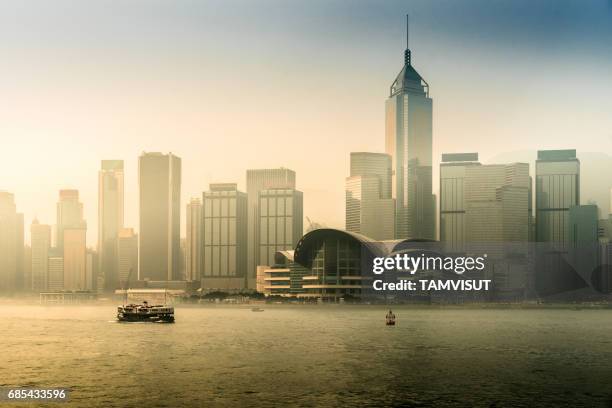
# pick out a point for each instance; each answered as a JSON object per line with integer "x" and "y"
{"x": 69, "y": 214}
{"x": 193, "y": 243}
{"x": 128, "y": 257}
{"x": 159, "y": 178}
{"x": 11, "y": 244}
{"x": 110, "y": 219}
{"x": 41, "y": 244}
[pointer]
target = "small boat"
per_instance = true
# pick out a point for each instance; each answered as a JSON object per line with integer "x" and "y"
{"x": 145, "y": 313}
{"x": 256, "y": 309}
{"x": 390, "y": 319}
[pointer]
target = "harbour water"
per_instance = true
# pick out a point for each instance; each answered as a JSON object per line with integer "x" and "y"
{"x": 312, "y": 356}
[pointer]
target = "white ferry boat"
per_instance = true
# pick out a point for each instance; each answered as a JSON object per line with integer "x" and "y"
{"x": 145, "y": 313}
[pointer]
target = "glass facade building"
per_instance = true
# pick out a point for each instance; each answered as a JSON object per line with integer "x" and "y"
{"x": 370, "y": 210}
{"x": 280, "y": 222}
{"x": 408, "y": 140}
{"x": 557, "y": 189}
{"x": 224, "y": 232}
{"x": 452, "y": 199}
{"x": 497, "y": 203}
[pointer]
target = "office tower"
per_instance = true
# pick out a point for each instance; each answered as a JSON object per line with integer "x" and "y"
{"x": 496, "y": 204}
{"x": 224, "y": 235}
{"x": 69, "y": 214}
{"x": 20, "y": 282}
{"x": 9, "y": 237}
{"x": 280, "y": 222}
{"x": 159, "y": 177}
{"x": 193, "y": 244}
{"x": 91, "y": 269}
{"x": 557, "y": 189}
{"x": 257, "y": 180}
{"x": 370, "y": 210}
{"x": 373, "y": 164}
{"x": 75, "y": 258}
{"x": 27, "y": 267}
{"x": 41, "y": 244}
{"x": 452, "y": 199}
{"x": 110, "y": 219}
{"x": 128, "y": 256}
{"x": 408, "y": 140}
{"x": 497, "y": 224}
{"x": 583, "y": 237}
{"x": 56, "y": 271}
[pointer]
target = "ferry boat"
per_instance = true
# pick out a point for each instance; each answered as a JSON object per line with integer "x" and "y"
{"x": 145, "y": 313}
{"x": 390, "y": 319}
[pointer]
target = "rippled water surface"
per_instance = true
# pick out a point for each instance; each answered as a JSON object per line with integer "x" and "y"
{"x": 312, "y": 356}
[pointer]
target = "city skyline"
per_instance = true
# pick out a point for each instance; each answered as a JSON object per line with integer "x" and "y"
{"x": 194, "y": 117}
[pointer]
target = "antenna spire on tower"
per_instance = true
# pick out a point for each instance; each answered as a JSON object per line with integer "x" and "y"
{"x": 407, "y": 32}
{"x": 407, "y": 57}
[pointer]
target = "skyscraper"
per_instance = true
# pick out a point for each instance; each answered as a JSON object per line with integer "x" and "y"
{"x": 497, "y": 223}
{"x": 452, "y": 199}
{"x": 8, "y": 242}
{"x": 159, "y": 177}
{"x": 557, "y": 189}
{"x": 110, "y": 219}
{"x": 497, "y": 203}
{"x": 224, "y": 234}
{"x": 41, "y": 244}
{"x": 193, "y": 244}
{"x": 128, "y": 256}
{"x": 69, "y": 214}
{"x": 56, "y": 270}
{"x": 75, "y": 258}
{"x": 583, "y": 239}
{"x": 257, "y": 180}
{"x": 370, "y": 210}
{"x": 281, "y": 222}
{"x": 409, "y": 142}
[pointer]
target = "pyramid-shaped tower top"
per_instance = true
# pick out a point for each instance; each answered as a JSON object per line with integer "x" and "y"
{"x": 409, "y": 80}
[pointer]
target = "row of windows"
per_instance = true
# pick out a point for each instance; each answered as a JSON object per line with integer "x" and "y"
{"x": 220, "y": 207}
{"x": 556, "y": 191}
{"x": 275, "y": 206}
{"x": 220, "y": 261}
{"x": 276, "y": 230}
{"x": 219, "y": 231}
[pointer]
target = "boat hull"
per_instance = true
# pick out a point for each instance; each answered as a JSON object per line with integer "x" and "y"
{"x": 129, "y": 318}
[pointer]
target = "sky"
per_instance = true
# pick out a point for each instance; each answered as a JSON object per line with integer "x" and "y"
{"x": 231, "y": 85}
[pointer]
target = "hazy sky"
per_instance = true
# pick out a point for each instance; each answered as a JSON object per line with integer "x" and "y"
{"x": 231, "y": 85}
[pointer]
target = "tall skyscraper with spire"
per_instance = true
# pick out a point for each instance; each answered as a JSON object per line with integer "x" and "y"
{"x": 408, "y": 140}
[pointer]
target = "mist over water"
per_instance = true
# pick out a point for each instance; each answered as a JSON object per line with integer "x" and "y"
{"x": 312, "y": 356}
